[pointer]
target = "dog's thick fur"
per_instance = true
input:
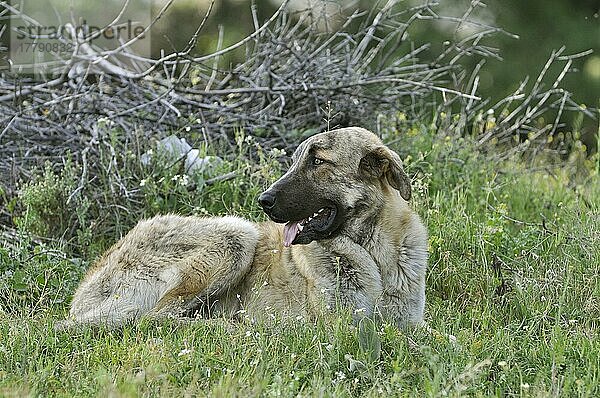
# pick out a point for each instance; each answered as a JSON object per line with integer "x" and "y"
{"x": 369, "y": 255}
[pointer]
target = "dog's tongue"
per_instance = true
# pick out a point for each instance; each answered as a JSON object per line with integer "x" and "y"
{"x": 290, "y": 230}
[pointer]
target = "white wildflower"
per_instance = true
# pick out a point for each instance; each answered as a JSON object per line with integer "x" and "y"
{"x": 185, "y": 180}
{"x": 105, "y": 122}
{"x": 185, "y": 351}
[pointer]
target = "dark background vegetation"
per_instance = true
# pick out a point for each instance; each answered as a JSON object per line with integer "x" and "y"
{"x": 541, "y": 26}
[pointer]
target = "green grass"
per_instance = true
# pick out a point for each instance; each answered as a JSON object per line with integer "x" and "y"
{"x": 514, "y": 275}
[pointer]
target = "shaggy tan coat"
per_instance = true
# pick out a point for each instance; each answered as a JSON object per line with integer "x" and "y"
{"x": 372, "y": 263}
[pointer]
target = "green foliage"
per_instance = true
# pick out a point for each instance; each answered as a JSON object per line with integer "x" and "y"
{"x": 249, "y": 170}
{"x": 90, "y": 212}
{"x": 46, "y": 208}
{"x": 369, "y": 341}
{"x": 255, "y": 169}
{"x": 36, "y": 278}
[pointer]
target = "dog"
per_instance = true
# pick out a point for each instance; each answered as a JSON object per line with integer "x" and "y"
{"x": 341, "y": 235}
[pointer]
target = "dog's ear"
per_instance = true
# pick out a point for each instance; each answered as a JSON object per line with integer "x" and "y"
{"x": 382, "y": 162}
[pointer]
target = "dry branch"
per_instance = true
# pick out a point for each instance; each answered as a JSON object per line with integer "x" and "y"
{"x": 363, "y": 67}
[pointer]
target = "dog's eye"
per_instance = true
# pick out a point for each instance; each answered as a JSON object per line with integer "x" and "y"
{"x": 317, "y": 161}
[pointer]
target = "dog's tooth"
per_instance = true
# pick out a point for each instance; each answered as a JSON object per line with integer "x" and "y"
{"x": 315, "y": 215}
{"x": 300, "y": 227}
{"x": 310, "y": 219}
{"x": 320, "y": 211}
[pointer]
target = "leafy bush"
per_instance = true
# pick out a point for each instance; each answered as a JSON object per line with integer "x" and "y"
{"x": 89, "y": 212}
{"x": 46, "y": 202}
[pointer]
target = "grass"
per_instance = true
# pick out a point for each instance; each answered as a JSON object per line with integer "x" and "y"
{"x": 513, "y": 275}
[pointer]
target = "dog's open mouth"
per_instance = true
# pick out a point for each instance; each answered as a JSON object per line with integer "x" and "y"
{"x": 320, "y": 221}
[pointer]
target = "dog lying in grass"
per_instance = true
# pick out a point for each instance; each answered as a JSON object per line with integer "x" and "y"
{"x": 342, "y": 235}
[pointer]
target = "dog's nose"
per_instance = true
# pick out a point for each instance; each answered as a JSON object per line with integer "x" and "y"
{"x": 266, "y": 200}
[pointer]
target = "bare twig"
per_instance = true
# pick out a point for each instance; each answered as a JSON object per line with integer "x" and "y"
{"x": 296, "y": 63}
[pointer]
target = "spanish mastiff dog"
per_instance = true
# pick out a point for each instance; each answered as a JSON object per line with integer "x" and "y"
{"x": 342, "y": 235}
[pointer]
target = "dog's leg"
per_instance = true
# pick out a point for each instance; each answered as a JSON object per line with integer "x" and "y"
{"x": 207, "y": 275}
{"x": 359, "y": 277}
{"x": 111, "y": 313}
{"x": 188, "y": 261}
{"x": 404, "y": 295}
{"x": 198, "y": 292}
{"x": 202, "y": 279}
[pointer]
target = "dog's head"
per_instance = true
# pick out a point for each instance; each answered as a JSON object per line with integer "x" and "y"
{"x": 337, "y": 178}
